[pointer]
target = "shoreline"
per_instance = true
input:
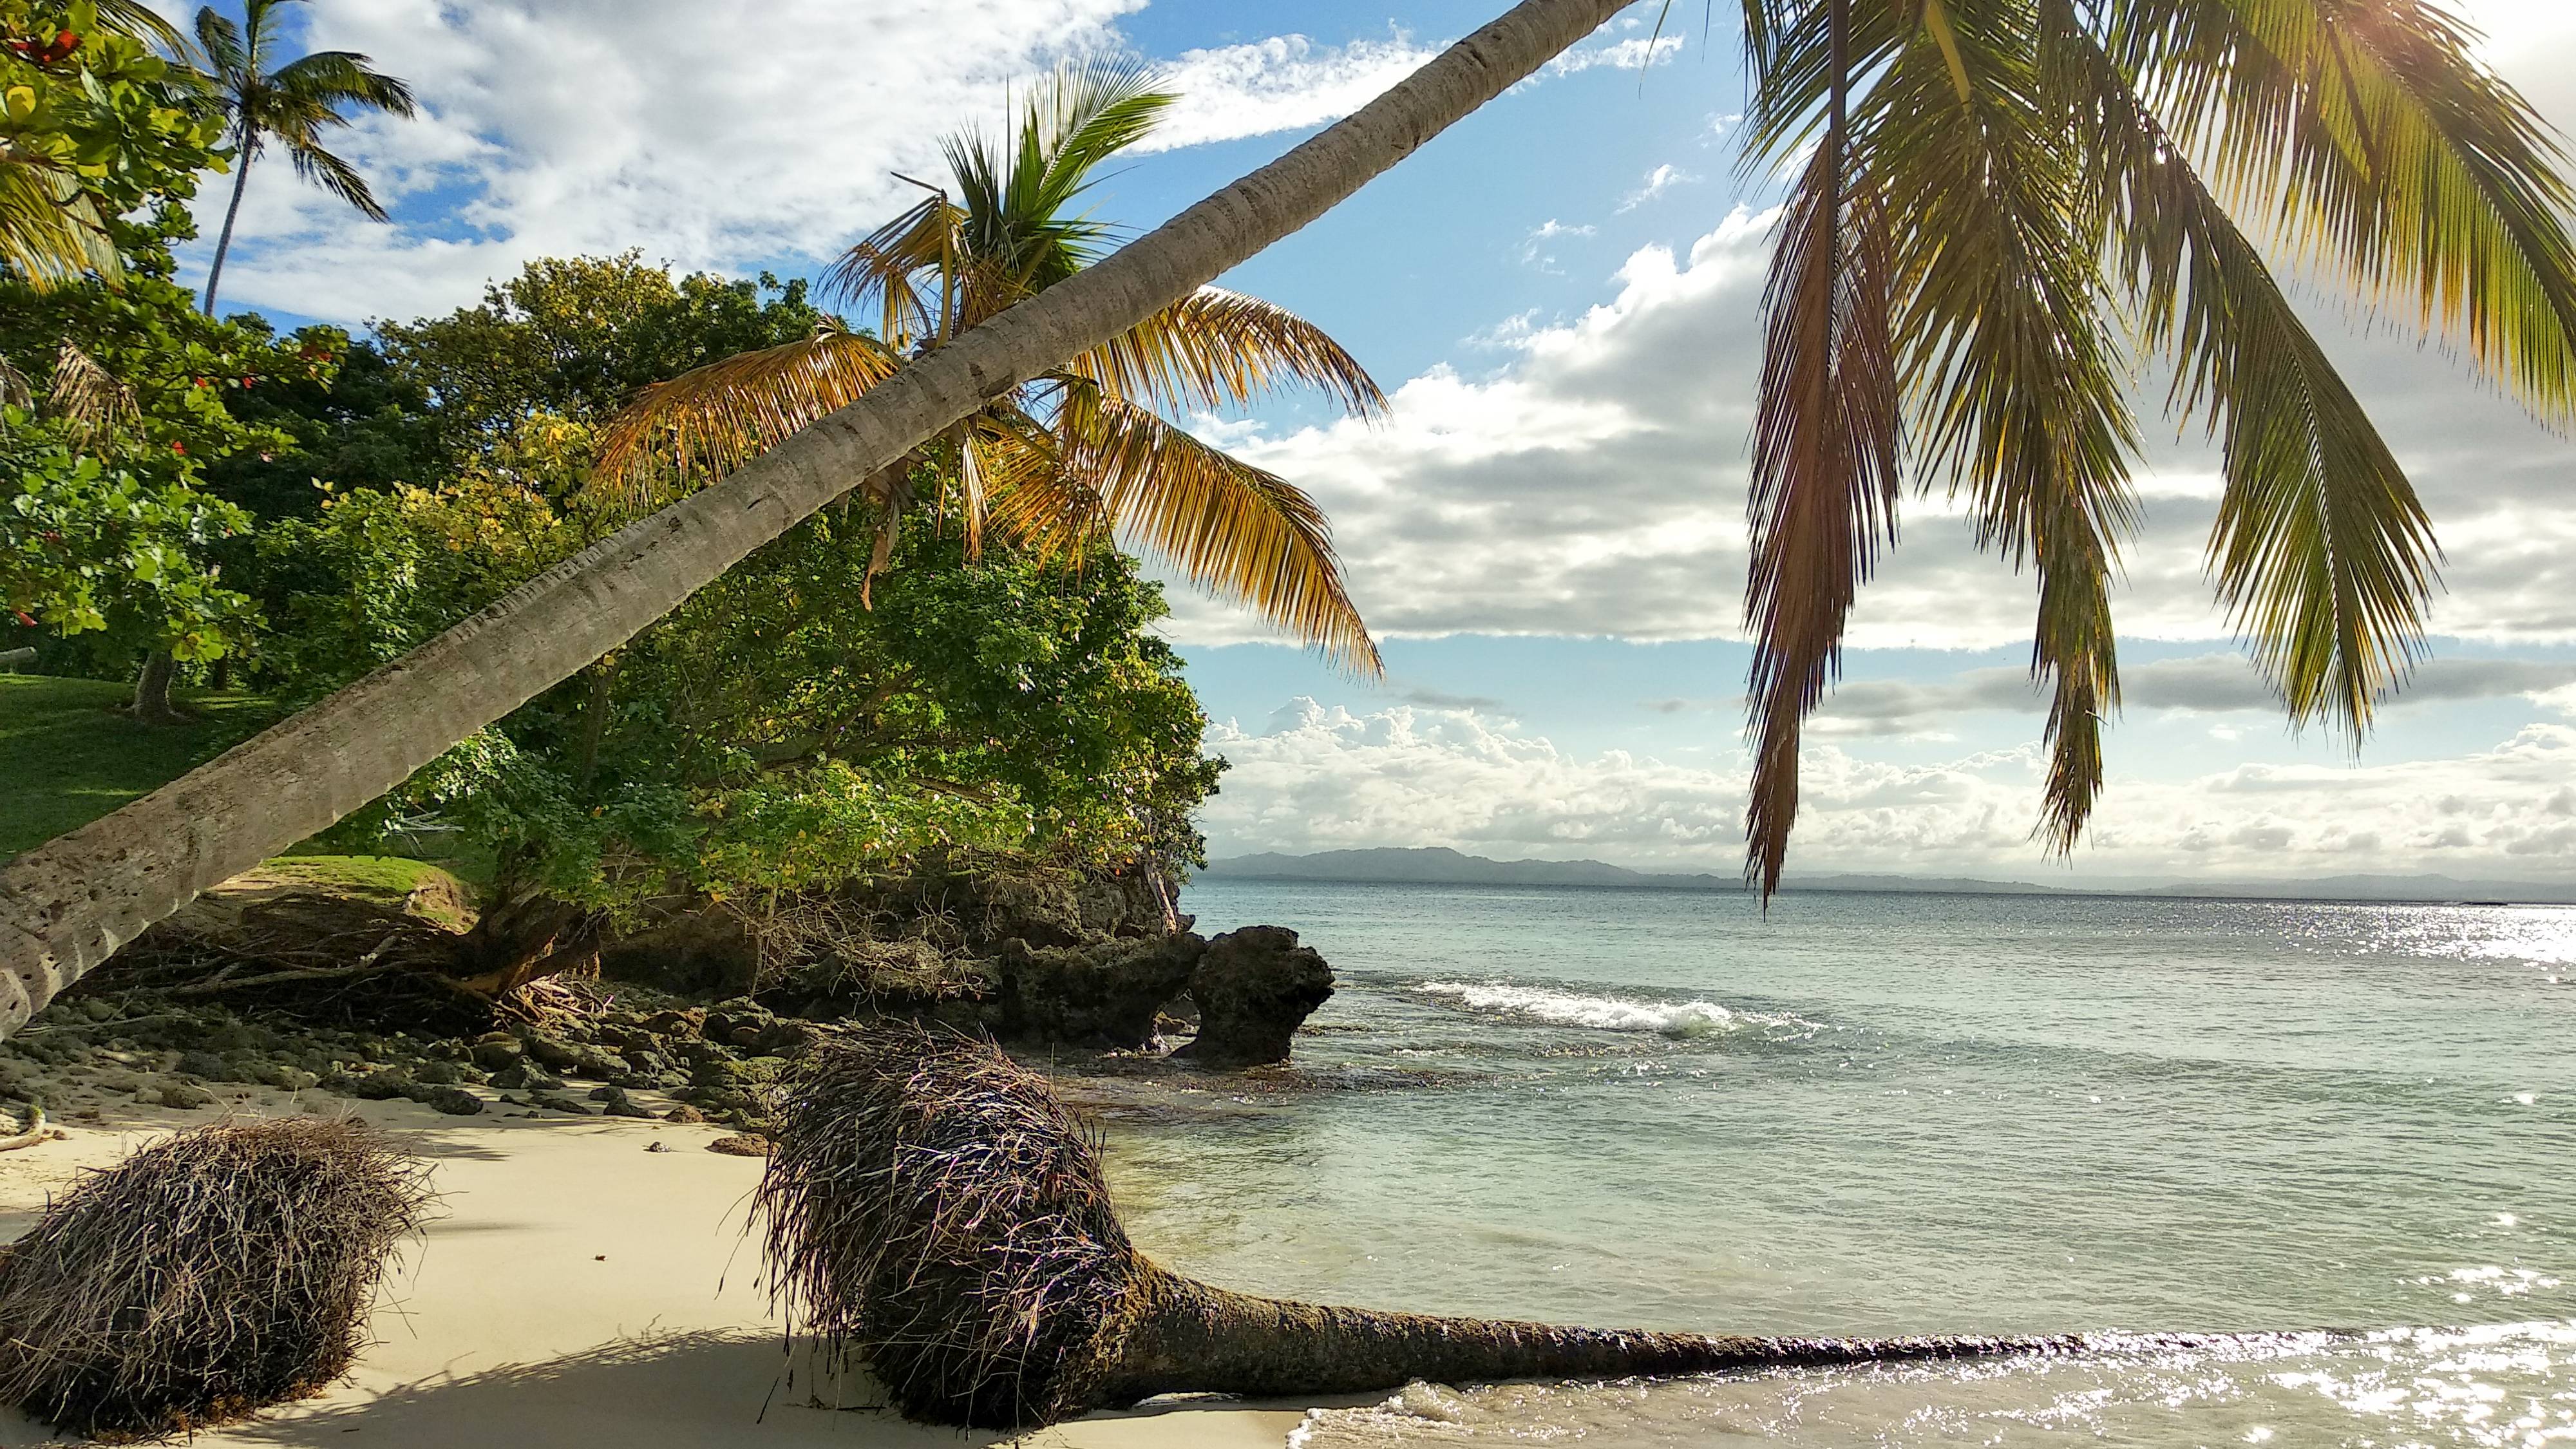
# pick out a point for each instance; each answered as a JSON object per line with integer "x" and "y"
{"x": 578, "y": 1291}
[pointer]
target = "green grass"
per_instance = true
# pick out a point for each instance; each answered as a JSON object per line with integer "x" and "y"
{"x": 67, "y": 757}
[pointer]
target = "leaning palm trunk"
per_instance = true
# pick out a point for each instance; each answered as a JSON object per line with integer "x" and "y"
{"x": 67, "y": 904}
{"x": 936, "y": 1213}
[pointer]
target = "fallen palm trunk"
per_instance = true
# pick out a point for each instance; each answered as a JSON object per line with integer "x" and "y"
{"x": 199, "y": 1280}
{"x": 933, "y": 1209}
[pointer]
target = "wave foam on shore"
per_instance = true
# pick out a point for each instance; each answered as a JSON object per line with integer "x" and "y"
{"x": 1605, "y": 1013}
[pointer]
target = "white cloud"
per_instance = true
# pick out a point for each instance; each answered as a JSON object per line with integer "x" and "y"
{"x": 1658, "y": 181}
{"x": 1536, "y": 248}
{"x": 711, "y": 140}
{"x": 1634, "y": 53}
{"x": 1318, "y": 779}
{"x": 1595, "y": 485}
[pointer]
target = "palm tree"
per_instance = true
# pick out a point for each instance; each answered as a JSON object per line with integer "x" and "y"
{"x": 67, "y": 904}
{"x": 2002, "y": 193}
{"x": 1080, "y": 447}
{"x": 291, "y": 105}
{"x": 1967, "y": 155}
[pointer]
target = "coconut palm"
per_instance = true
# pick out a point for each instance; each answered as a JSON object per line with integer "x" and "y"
{"x": 292, "y": 105}
{"x": 51, "y": 232}
{"x": 1966, "y": 153}
{"x": 65, "y": 905}
{"x": 1081, "y": 446}
{"x": 2005, "y": 200}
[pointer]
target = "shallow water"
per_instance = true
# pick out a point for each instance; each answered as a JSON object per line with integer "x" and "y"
{"x": 1895, "y": 1114}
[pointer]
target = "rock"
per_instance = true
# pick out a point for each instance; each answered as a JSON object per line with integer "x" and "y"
{"x": 657, "y": 1146}
{"x": 684, "y": 1113}
{"x": 623, "y": 1108}
{"x": 182, "y": 1095}
{"x": 1254, "y": 987}
{"x": 685, "y": 1022}
{"x": 385, "y": 1086}
{"x": 550, "y": 1052}
{"x": 1103, "y": 995}
{"x": 745, "y": 1144}
{"x": 557, "y": 1102}
{"x": 702, "y": 949}
{"x": 438, "y": 1073}
{"x": 596, "y": 1064}
{"x": 454, "y": 1101}
{"x": 670, "y": 1081}
{"x": 500, "y": 1055}
{"x": 205, "y": 1064}
{"x": 524, "y": 1077}
{"x": 610, "y": 1095}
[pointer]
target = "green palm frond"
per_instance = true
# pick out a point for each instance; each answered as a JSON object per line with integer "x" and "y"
{"x": 2386, "y": 153}
{"x": 710, "y": 420}
{"x": 1219, "y": 349}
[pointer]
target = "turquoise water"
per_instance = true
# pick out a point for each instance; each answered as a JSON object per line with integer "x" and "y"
{"x": 1892, "y": 1114}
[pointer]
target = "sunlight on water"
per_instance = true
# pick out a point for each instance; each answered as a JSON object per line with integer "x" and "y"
{"x": 1885, "y": 1114}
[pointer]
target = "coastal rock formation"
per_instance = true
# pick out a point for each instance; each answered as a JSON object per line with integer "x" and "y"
{"x": 1106, "y": 994}
{"x": 1254, "y": 988}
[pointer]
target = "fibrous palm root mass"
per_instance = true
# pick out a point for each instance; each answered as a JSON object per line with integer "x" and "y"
{"x": 933, "y": 1210}
{"x": 221, "y": 1271}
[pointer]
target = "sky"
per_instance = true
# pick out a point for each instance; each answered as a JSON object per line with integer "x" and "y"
{"x": 1547, "y": 530}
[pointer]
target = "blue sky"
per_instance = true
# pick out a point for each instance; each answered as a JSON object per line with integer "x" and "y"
{"x": 1548, "y": 530}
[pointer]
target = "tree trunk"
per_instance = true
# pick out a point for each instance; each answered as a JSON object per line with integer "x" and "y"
{"x": 1192, "y": 1338}
{"x": 65, "y": 905}
{"x": 232, "y": 213}
{"x": 525, "y": 937}
{"x": 152, "y": 691}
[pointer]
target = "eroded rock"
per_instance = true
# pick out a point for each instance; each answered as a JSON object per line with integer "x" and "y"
{"x": 1254, "y": 988}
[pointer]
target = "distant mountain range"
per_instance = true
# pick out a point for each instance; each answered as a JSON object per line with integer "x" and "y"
{"x": 1438, "y": 865}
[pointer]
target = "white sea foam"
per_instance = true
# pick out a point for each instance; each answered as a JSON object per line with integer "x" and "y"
{"x": 1601, "y": 1013}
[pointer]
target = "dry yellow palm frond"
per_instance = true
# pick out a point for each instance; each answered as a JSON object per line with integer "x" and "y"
{"x": 1243, "y": 534}
{"x": 711, "y": 420}
{"x": 885, "y": 267}
{"x": 86, "y": 396}
{"x": 1216, "y": 349}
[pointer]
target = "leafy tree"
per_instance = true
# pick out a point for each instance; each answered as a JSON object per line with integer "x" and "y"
{"x": 93, "y": 125}
{"x": 292, "y": 105}
{"x": 577, "y": 337}
{"x": 2005, "y": 196}
{"x": 1082, "y": 449}
{"x": 139, "y": 396}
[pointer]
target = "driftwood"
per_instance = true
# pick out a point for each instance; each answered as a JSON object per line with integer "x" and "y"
{"x": 932, "y": 1210}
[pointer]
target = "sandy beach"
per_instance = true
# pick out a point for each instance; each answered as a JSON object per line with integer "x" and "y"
{"x": 578, "y": 1291}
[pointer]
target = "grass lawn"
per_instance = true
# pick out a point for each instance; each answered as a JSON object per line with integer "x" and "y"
{"x": 67, "y": 757}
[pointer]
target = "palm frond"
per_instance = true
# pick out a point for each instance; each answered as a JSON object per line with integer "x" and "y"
{"x": 15, "y": 390}
{"x": 142, "y": 22}
{"x": 50, "y": 231}
{"x": 1824, "y": 477}
{"x": 344, "y": 78}
{"x": 2016, "y": 399}
{"x": 1218, "y": 349}
{"x": 2322, "y": 551}
{"x": 89, "y": 397}
{"x": 221, "y": 42}
{"x": 886, "y": 266}
{"x": 712, "y": 419}
{"x": 336, "y": 176}
{"x": 2387, "y": 154}
{"x": 1240, "y": 533}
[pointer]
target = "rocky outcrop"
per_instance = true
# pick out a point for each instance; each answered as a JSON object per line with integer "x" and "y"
{"x": 1106, "y": 994}
{"x": 1254, "y": 988}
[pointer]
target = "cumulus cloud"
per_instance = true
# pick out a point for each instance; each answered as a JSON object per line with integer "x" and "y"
{"x": 715, "y": 140}
{"x": 1314, "y": 778}
{"x": 1595, "y": 485}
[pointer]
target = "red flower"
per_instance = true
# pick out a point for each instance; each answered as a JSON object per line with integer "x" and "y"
{"x": 179, "y": 448}
{"x": 23, "y": 619}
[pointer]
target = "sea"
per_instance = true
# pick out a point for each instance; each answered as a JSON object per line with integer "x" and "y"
{"x": 2343, "y": 1134}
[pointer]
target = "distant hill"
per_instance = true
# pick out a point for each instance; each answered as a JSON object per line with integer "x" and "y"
{"x": 1438, "y": 865}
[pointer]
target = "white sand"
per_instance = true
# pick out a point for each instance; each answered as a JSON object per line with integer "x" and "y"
{"x": 579, "y": 1292}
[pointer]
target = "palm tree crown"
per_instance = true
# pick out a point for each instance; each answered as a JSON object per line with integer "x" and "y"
{"x": 1085, "y": 446}
{"x": 1996, "y": 201}
{"x": 292, "y": 105}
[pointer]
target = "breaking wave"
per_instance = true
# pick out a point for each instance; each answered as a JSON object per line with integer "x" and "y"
{"x": 1606, "y": 1013}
